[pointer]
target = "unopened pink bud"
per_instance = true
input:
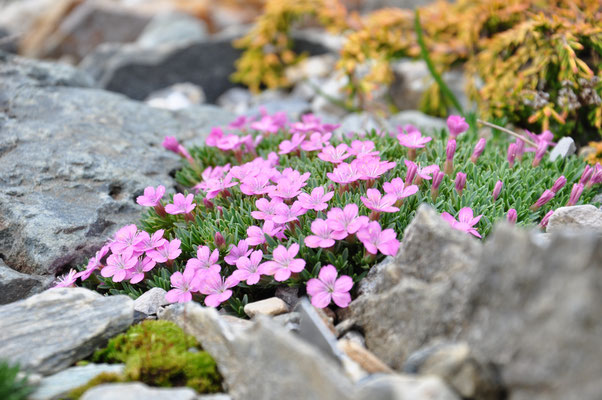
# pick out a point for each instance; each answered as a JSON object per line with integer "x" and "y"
{"x": 586, "y": 175}
{"x": 520, "y": 148}
{"x": 511, "y": 154}
{"x": 596, "y": 176}
{"x": 437, "y": 179}
{"x": 411, "y": 173}
{"x": 219, "y": 240}
{"x": 511, "y": 216}
{"x": 546, "y": 218}
{"x": 478, "y": 150}
{"x": 208, "y": 203}
{"x": 546, "y": 196}
{"x": 575, "y": 194}
{"x": 450, "y": 150}
{"x": 497, "y": 189}
{"x": 460, "y": 182}
{"x": 171, "y": 143}
{"x": 539, "y": 153}
{"x": 559, "y": 184}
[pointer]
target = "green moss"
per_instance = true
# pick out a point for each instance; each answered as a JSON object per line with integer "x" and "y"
{"x": 159, "y": 353}
{"x": 104, "y": 377}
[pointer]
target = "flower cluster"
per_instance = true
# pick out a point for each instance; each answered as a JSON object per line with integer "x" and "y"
{"x": 276, "y": 203}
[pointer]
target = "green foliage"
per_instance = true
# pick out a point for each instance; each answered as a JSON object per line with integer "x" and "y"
{"x": 159, "y": 353}
{"x": 104, "y": 377}
{"x": 13, "y": 387}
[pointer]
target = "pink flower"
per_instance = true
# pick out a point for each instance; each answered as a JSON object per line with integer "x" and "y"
{"x": 511, "y": 216}
{"x": 323, "y": 235}
{"x": 511, "y": 156}
{"x": 344, "y": 173}
{"x": 586, "y": 175}
{"x": 466, "y": 221}
{"x": 169, "y": 251}
{"x": 118, "y": 264}
{"x": 147, "y": 242}
{"x": 67, "y": 280}
{"x": 497, "y": 189}
{"x": 346, "y": 221}
{"x": 284, "y": 263}
{"x": 256, "y": 235}
{"x": 539, "y": 153}
{"x": 460, "y": 182}
{"x": 125, "y": 238}
{"x": 286, "y": 188}
{"x": 181, "y": 204}
{"x": 437, "y": 179}
{"x": 267, "y": 208}
{"x": 425, "y": 172}
{"x": 362, "y": 149}
{"x": 575, "y": 194}
{"x": 456, "y": 125}
{"x": 218, "y": 240}
{"x": 413, "y": 139}
{"x": 248, "y": 268}
{"x": 334, "y": 155}
{"x": 546, "y": 218}
{"x": 375, "y": 239}
{"x": 152, "y": 196}
{"x": 375, "y": 201}
{"x": 216, "y": 134}
{"x": 235, "y": 252}
{"x": 328, "y": 288}
{"x": 267, "y": 124}
{"x": 372, "y": 168}
{"x": 229, "y": 142}
{"x": 316, "y": 201}
{"x": 544, "y": 138}
{"x": 184, "y": 284}
{"x": 450, "y": 149}
{"x": 206, "y": 260}
{"x": 171, "y": 143}
{"x": 596, "y": 176}
{"x": 142, "y": 266}
{"x": 546, "y": 196}
{"x": 558, "y": 184}
{"x": 216, "y": 186}
{"x": 217, "y": 288}
{"x": 398, "y": 189}
{"x": 288, "y": 146}
{"x": 286, "y": 214}
{"x": 94, "y": 263}
{"x": 254, "y": 185}
{"x": 411, "y": 172}
{"x": 478, "y": 150}
{"x": 316, "y": 141}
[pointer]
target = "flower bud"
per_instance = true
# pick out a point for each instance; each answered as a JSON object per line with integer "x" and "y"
{"x": 511, "y": 216}
{"x": 478, "y": 150}
{"x": 171, "y": 143}
{"x": 546, "y": 218}
{"x": 546, "y": 196}
{"x": 586, "y": 175}
{"x": 450, "y": 150}
{"x": 460, "y": 182}
{"x": 575, "y": 194}
{"x": 411, "y": 173}
{"x": 456, "y": 125}
{"x": 539, "y": 153}
{"x": 219, "y": 240}
{"x": 511, "y": 154}
{"x": 559, "y": 184}
{"x": 497, "y": 189}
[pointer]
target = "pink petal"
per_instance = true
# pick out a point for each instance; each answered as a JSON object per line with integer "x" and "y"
{"x": 465, "y": 215}
{"x": 315, "y": 286}
{"x": 297, "y": 265}
{"x": 321, "y": 300}
{"x": 282, "y": 274}
{"x": 328, "y": 275}
{"x": 341, "y": 299}
{"x": 313, "y": 241}
{"x": 343, "y": 284}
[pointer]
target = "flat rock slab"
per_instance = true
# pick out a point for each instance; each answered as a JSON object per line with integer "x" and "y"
{"x": 140, "y": 391}
{"x": 16, "y": 286}
{"x": 52, "y": 330}
{"x": 73, "y": 160}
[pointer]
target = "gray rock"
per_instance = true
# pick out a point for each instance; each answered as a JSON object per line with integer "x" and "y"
{"x": 138, "y": 391}
{"x": 270, "y": 307}
{"x": 290, "y": 321}
{"x": 177, "y": 97}
{"x": 150, "y": 302}
{"x": 293, "y": 107}
{"x": 424, "y": 122}
{"x": 90, "y": 24}
{"x": 51, "y": 330}
{"x": 431, "y": 282}
{"x": 576, "y": 217}
{"x": 460, "y": 368}
{"x": 564, "y": 148}
{"x": 311, "y": 67}
{"x": 100, "y": 151}
{"x": 362, "y": 122}
{"x": 16, "y": 286}
{"x": 404, "y": 387}
{"x": 536, "y": 314}
{"x": 290, "y": 295}
{"x": 314, "y": 330}
{"x": 236, "y": 100}
{"x": 331, "y": 89}
{"x": 286, "y": 366}
{"x": 172, "y": 28}
{"x": 53, "y": 386}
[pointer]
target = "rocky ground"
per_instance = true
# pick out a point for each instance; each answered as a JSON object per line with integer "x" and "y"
{"x": 517, "y": 316}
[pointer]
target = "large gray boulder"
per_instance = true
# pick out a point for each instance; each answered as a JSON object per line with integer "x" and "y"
{"x": 73, "y": 160}
{"x": 16, "y": 286}
{"x": 264, "y": 360}
{"x": 50, "y": 331}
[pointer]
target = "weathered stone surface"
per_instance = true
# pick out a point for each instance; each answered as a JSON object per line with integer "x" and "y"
{"x": 73, "y": 160}
{"x": 460, "y": 368}
{"x": 286, "y": 366}
{"x": 431, "y": 282}
{"x": 564, "y": 148}
{"x": 177, "y": 97}
{"x": 138, "y": 391}
{"x": 172, "y": 28}
{"x": 362, "y": 122}
{"x": 404, "y": 387}
{"x": 150, "y": 302}
{"x": 272, "y": 306}
{"x": 51, "y": 330}
{"x": 536, "y": 314}
{"x": 366, "y": 359}
{"x": 427, "y": 123}
{"x": 16, "y": 286}
{"x": 575, "y": 217}
{"x": 63, "y": 382}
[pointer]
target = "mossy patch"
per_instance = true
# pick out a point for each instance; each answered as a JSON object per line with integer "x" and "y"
{"x": 158, "y": 353}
